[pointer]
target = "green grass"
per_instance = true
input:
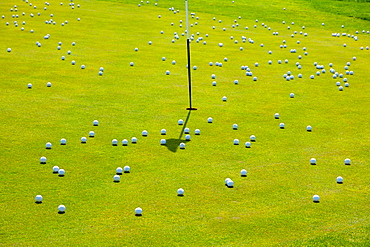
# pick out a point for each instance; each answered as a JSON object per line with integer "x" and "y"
{"x": 270, "y": 207}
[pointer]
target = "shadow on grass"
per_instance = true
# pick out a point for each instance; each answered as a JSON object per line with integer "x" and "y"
{"x": 173, "y": 144}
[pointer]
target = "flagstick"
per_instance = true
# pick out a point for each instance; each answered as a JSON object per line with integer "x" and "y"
{"x": 188, "y": 51}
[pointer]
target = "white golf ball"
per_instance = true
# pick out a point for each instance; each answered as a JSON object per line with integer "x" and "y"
{"x": 48, "y": 145}
{"x": 226, "y": 180}
{"x": 116, "y": 178}
{"x": 61, "y": 208}
{"x": 230, "y": 183}
{"x": 316, "y": 198}
{"x": 243, "y": 172}
{"x": 38, "y": 198}
{"x": 61, "y": 172}
{"x": 138, "y": 211}
{"x": 119, "y": 170}
{"x": 55, "y": 169}
{"x": 347, "y": 161}
{"x": 43, "y": 160}
{"x": 180, "y": 192}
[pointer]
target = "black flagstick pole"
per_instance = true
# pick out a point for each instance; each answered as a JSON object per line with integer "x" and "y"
{"x": 188, "y": 51}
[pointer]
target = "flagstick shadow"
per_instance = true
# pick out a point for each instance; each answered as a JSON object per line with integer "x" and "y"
{"x": 173, "y": 144}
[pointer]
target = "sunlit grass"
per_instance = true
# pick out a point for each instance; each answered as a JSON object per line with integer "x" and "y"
{"x": 271, "y": 206}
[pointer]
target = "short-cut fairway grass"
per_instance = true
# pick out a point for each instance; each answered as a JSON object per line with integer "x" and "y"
{"x": 272, "y": 206}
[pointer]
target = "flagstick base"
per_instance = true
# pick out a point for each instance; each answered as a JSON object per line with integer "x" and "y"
{"x": 191, "y": 109}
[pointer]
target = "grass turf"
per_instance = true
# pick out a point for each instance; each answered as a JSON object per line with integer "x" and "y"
{"x": 272, "y": 206}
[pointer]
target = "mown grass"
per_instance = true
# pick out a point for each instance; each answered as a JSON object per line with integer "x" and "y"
{"x": 349, "y": 8}
{"x": 310, "y": 12}
{"x": 272, "y": 206}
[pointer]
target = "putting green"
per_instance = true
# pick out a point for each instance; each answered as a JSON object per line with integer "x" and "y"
{"x": 271, "y": 206}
